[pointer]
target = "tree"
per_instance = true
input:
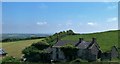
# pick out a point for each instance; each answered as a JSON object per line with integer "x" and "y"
{"x": 70, "y": 32}
{"x": 32, "y": 54}
{"x": 70, "y": 51}
{"x": 28, "y": 50}
{"x": 41, "y": 45}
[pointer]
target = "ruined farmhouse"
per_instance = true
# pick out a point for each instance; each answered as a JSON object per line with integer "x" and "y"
{"x": 87, "y": 50}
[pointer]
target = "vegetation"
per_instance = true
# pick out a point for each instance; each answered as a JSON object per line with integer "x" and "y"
{"x": 70, "y": 51}
{"x": 41, "y": 45}
{"x": 10, "y": 59}
{"x": 52, "y": 39}
{"x": 18, "y": 39}
{"x": 15, "y": 48}
{"x": 35, "y": 52}
{"x": 70, "y": 32}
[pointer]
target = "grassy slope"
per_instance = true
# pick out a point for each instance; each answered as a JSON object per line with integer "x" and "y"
{"x": 15, "y": 48}
{"x": 105, "y": 39}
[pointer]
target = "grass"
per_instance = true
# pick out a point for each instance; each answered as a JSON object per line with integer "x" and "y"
{"x": 15, "y": 48}
{"x": 105, "y": 39}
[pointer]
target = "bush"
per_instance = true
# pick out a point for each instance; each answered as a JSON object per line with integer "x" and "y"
{"x": 70, "y": 51}
{"x": 28, "y": 50}
{"x": 10, "y": 59}
{"x": 41, "y": 45}
{"x": 35, "y": 55}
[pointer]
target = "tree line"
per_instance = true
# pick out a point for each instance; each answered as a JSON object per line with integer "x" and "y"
{"x": 18, "y": 39}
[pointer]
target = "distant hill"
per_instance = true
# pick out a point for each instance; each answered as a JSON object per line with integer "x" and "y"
{"x": 15, "y": 35}
{"x": 105, "y": 39}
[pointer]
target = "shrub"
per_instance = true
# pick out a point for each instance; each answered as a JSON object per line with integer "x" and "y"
{"x": 10, "y": 59}
{"x": 28, "y": 50}
{"x": 41, "y": 45}
{"x": 33, "y": 54}
{"x": 36, "y": 56}
{"x": 70, "y": 51}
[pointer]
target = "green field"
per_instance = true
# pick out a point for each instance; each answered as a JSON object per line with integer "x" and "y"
{"x": 105, "y": 39}
{"x": 14, "y": 48}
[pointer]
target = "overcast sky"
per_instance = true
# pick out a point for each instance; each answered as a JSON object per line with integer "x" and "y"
{"x": 51, "y": 17}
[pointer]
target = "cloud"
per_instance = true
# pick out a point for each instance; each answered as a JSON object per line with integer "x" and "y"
{"x": 41, "y": 23}
{"x": 113, "y": 19}
{"x": 59, "y": 25}
{"x": 109, "y": 0}
{"x": 43, "y": 6}
{"x": 68, "y": 23}
{"x": 112, "y": 7}
{"x": 91, "y": 23}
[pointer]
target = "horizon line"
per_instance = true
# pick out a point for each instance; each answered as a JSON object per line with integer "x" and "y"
{"x": 65, "y": 30}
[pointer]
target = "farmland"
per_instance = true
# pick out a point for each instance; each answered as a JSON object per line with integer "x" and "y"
{"x": 15, "y": 48}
